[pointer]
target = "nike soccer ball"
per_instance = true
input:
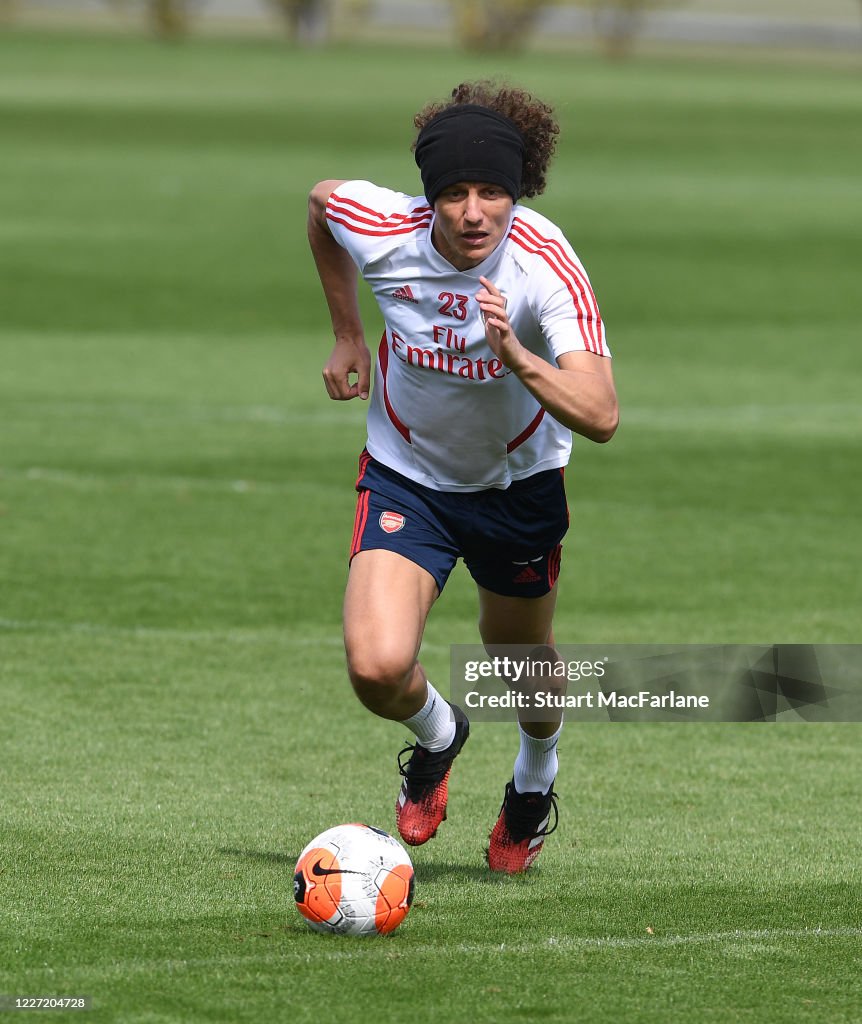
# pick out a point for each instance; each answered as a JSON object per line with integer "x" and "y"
{"x": 353, "y": 880}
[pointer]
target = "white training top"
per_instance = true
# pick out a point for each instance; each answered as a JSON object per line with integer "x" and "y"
{"x": 445, "y": 412}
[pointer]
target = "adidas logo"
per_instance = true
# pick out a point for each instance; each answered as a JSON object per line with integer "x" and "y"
{"x": 405, "y": 293}
{"x": 527, "y": 575}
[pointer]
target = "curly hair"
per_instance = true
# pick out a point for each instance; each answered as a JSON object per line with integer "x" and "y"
{"x": 534, "y": 119}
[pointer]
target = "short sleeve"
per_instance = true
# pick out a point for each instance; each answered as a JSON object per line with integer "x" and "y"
{"x": 369, "y": 221}
{"x": 570, "y": 320}
{"x": 563, "y": 298}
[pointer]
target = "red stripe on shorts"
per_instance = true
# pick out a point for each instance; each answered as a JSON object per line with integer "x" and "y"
{"x": 360, "y": 521}
{"x": 554, "y": 559}
{"x": 364, "y": 459}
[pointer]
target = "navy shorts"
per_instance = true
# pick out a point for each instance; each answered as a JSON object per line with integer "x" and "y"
{"x": 509, "y": 539}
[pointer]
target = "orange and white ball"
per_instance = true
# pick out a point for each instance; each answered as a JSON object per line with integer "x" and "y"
{"x": 353, "y": 880}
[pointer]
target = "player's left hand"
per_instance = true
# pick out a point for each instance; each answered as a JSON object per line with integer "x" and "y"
{"x": 498, "y": 331}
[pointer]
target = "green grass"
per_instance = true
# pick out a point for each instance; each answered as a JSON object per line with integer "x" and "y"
{"x": 175, "y": 508}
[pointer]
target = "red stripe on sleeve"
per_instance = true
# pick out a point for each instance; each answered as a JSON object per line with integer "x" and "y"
{"x": 375, "y": 213}
{"x": 589, "y": 320}
{"x": 571, "y": 265}
{"x": 378, "y": 233}
{"x": 377, "y": 224}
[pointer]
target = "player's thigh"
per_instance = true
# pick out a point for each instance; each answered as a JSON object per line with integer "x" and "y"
{"x": 386, "y": 605}
{"x": 516, "y": 620}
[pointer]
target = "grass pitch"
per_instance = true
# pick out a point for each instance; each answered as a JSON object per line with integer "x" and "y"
{"x": 176, "y": 504}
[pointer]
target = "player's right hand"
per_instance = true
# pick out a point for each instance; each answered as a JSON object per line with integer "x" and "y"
{"x": 350, "y": 358}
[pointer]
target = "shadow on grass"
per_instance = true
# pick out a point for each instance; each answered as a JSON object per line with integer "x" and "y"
{"x": 449, "y": 871}
{"x": 434, "y": 871}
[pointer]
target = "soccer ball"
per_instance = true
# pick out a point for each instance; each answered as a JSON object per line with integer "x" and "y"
{"x": 353, "y": 880}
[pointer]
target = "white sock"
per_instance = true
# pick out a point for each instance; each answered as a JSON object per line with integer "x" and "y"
{"x": 433, "y": 726}
{"x": 537, "y": 763}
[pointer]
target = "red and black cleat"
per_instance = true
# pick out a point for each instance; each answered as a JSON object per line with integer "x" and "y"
{"x": 518, "y": 836}
{"x": 421, "y": 803}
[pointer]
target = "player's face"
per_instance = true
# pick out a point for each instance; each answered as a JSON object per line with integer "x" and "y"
{"x": 472, "y": 219}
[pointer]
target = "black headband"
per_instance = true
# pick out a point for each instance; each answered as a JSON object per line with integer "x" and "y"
{"x": 470, "y": 143}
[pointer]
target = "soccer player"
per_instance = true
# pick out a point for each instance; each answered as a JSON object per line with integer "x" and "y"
{"x": 493, "y": 352}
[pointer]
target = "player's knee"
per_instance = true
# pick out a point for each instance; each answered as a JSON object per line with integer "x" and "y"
{"x": 379, "y": 676}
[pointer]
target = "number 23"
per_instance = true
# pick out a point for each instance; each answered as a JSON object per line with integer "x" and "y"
{"x": 454, "y": 305}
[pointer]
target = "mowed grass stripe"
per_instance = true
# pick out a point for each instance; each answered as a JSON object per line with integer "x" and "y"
{"x": 745, "y": 941}
{"x": 267, "y": 635}
{"x": 832, "y": 418}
